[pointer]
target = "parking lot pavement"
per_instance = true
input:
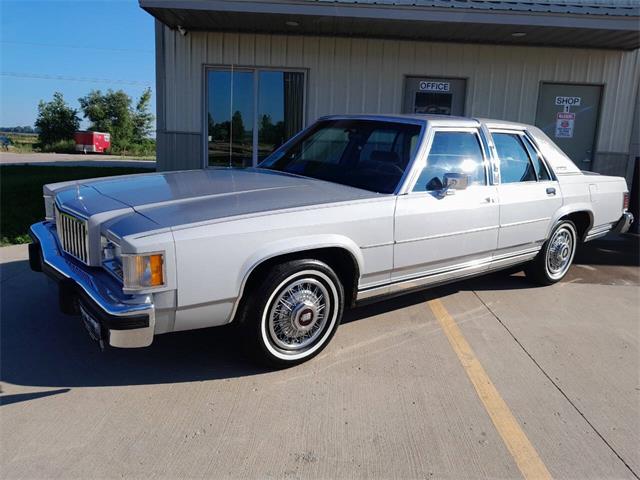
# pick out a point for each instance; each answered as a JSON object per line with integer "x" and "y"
{"x": 491, "y": 377}
{"x": 73, "y": 160}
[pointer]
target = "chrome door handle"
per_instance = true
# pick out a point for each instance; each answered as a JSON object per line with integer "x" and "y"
{"x": 487, "y": 200}
{"x": 551, "y": 191}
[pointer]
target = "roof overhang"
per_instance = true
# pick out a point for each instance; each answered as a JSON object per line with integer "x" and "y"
{"x": 402, "y": 21}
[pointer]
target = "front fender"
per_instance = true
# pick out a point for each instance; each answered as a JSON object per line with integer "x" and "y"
{"x": 294, "y": 245}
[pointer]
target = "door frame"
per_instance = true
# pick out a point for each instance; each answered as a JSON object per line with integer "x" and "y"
{"x": 596, "y": 136}
{"x": 255, "y": 69}
{"x": 453, "y": 269}
{"x": 406, "y": 76}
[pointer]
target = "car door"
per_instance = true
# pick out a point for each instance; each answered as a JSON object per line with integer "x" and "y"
{"x": 529, "y": 193}
{"x": 442, "y": 234}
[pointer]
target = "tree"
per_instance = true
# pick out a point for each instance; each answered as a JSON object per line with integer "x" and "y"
{"x": 112, "y": 112}
{"x": 56, "y": 120}
{"x": 237, "y": 126}
{"x": 270, "y": 133}
{"x": 142, "y": 118}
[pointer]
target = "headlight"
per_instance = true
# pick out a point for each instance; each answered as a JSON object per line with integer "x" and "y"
{"x": 109, "y": 250}
{"x": 143, "y": 271}
{"x": 48, "y": 208}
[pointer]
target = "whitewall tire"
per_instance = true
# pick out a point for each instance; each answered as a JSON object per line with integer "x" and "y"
{"x": 555, "y": 257}
{"x": 294, "y": 312}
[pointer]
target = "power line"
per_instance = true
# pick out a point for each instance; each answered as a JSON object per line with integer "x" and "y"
{"x": 82, "y": 47}
{"x": 74, "y": 79}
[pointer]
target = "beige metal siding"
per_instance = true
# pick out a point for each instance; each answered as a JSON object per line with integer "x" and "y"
{"x": 357, "y": 75}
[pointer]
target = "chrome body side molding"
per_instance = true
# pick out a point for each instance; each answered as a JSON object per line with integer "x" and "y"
{"x": 598, "y": 232}
{"x": 444, "y": 275}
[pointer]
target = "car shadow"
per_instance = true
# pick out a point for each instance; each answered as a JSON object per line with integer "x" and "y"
{"x": 25, "y": 397}
{"x": 41, "y": 347}
{"x": 613, "y": 250}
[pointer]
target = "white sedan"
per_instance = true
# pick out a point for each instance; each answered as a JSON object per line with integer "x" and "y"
{"x": 352, "y": 209}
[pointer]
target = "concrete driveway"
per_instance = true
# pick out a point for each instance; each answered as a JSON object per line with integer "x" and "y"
{"x": 490, "y": 378}
{"x": 73, "y": 160}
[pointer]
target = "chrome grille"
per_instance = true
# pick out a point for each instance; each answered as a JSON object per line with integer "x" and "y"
{"x": 72, "y": 233}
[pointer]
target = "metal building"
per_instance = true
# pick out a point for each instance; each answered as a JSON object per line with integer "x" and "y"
{"x": 235, "y": 78}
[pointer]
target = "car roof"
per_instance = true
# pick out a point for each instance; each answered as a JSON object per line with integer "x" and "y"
{"x": 503, "y": 124}
{"x": 432, "y": 120}
{"x": 408, "y": 118}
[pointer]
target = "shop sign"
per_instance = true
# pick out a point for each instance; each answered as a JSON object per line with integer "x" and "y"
{"x": 568, "y": 101}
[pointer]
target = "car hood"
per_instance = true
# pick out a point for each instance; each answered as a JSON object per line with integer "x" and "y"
{"x": 171, "y": 199}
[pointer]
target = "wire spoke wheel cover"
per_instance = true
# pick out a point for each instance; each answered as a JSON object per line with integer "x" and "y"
{"x": 299, "y": 315}
{"x": 560, "y": 251}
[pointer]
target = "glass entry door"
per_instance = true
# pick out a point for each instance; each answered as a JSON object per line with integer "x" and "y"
{"x": 230, "y": 118}
{"x": 251, "y": 112}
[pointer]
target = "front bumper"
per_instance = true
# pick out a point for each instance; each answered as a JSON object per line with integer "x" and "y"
{"x": 624, "y": 223}
{"x": 125, "y": 321}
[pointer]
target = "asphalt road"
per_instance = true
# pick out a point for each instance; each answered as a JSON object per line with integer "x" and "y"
{"x": 492, "y": 377}
{"x": 73, "y": 160}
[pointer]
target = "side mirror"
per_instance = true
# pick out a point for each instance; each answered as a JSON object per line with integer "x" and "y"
{"x": 453, "y": 182}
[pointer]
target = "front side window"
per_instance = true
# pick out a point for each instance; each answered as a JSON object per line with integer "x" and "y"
{"x": 515, "y": 164}
{"x": 251, "y": 112}
{"x": 368, "y": 154}
{"x": 452, "y": 152}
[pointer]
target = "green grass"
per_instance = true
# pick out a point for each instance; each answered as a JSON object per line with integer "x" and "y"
{"x": 21, "y": 201}
{"x": 28, "y": 143}
{"x": 21, "y": 142}
{"x": 62, "y": 146}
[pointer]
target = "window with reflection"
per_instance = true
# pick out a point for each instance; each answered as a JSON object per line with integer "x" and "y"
{"x": 452, "y": 152}
{"x": 538, "y": 163}
{"x": 515, "y": 164}
{"x": 368, "y": 154}
{"x": 251, "y": 112}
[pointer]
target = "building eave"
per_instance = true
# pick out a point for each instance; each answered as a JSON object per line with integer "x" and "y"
{"x": 403, "y": 20}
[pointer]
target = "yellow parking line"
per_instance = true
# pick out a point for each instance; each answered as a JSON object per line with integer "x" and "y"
{"x": 514, "y": 438}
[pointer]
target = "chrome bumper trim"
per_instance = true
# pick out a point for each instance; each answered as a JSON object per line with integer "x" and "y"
{"x": 624, "y": 223}
{"x": 100, "y": 290}
{"x": 621, "y": 226}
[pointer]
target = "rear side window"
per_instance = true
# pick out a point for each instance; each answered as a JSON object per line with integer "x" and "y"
{"x": 515, "y": 164}
{"x": 452, "y": 152}
{"x": 538, "y": 163}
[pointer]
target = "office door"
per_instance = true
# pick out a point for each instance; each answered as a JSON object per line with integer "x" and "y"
{"x": 434, "y": 95}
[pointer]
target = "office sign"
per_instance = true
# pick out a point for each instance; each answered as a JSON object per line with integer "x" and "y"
{"x": 428, "y": 86}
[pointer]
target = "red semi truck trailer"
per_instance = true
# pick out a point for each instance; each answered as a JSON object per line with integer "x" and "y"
{"x": 92, "y": 142}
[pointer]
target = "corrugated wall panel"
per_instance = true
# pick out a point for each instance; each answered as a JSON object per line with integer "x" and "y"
{"x": 355, "y": 75}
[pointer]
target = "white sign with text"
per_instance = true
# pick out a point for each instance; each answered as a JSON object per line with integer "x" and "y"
{"x": 430, "y": 86}
{"x": 568, "y": 101}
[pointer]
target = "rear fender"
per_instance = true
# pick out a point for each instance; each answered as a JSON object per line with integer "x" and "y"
{"x": 566, "y": 210}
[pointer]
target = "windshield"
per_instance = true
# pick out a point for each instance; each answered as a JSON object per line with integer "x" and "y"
{"x": 367, "y": 154}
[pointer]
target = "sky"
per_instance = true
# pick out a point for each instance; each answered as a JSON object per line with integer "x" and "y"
{"x": 71, "y": 47}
